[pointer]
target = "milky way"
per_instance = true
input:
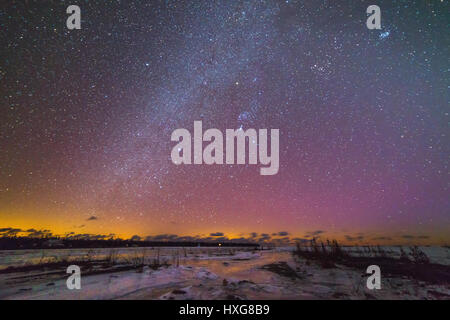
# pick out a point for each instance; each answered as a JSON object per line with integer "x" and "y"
{"x": 363, "y": 116}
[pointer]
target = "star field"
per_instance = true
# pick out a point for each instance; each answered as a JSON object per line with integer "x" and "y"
{"x": 363, "y": 116}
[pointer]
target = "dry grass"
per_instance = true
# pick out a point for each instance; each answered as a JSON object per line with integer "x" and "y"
{"x": 413, "y": 263}
{"x": 325, "y": 255}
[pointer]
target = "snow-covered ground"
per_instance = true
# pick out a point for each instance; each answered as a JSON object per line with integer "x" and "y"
{"x": 207, "y": 273}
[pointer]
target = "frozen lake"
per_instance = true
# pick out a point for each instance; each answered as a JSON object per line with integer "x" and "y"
{"x": 205, "y": 273}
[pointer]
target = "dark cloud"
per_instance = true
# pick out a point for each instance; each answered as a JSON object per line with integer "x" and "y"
{"x": 283, "y": 233}
{"x": 92, "y": 218}
{"x": 356, "y": 238}
{"x": 40, "y": 234}
{"x": 314, "y": 234}
{"x": 9, "y": 232}
{"x": 382, "y": 238}
{"x": 217, "y": 234}
{"x": 221, "y": 239}
{"x": 409, "y": 237}
{"x": 162, "y": 237}
{"x": 302, "y": 240}
{"x": 2, "y": 230}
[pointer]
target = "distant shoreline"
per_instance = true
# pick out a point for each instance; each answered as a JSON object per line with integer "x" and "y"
{"x": 23, "y": 243}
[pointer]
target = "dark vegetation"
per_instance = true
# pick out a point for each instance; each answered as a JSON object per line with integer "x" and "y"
{"x": 415, "y": 264}
{"x": 17, "y": 243}
{"x": 92, "y": 264}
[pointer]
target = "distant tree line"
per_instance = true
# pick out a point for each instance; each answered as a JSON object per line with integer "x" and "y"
{"x": 18, "y": 243}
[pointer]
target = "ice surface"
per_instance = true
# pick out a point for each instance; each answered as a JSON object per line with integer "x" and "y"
{"x": 210, "y": 273}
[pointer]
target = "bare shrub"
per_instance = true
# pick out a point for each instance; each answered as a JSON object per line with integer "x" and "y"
{"x": 418, "y": 255}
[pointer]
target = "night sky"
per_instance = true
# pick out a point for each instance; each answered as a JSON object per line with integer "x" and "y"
{"x": 87, "y": 115}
